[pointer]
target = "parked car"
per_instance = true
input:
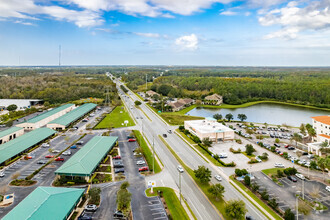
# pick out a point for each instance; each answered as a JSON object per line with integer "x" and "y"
{"x": 279, "y": 165}
{"x": 248, "y": 217}
{"x": 27, "y": 157}
{"x": 291, "y": 148}
{"x": 286, "y": 146}
{"x": 44, "y": 145}
{"x": 116, "y": 157}
{"x": 118, "y": 164}
{"x": 258, "y": 159}
{"x": 49, "y": 156}
{"x": 131, "y": 140}
{"x": 180, "y": 168}
{"x": 55, "y": 151}
{"x": 118, "y": 214}
{"x": 85, "y": 216}
{"x": 292, "y": 178}
{"x": 80, "y": 142}
{"x": 300, "y": 176}
{"x": 59, "y": 159}
{"x": 91, "y": 208}
{"x": 2, "y": 174}
{"x": 310, "y": 156}
{"x": 304, "y": 153}
{"x": 327, "y": 188}
{"x": 218, "y": 177}
{"x": 129, "y": 137}
{"x": 41, "y": 162}
{"x": 223, "y": 155}
{"x": 73, "y": 147}
{"x": 140, "y": 162}
{"x": 66, "y": 153}
{"x": 277, "y": 145}
{"x": 119, "y": 170}
{"x": 143, "y": 169}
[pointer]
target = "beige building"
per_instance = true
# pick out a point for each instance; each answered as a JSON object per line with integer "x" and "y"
{"x": 46, "y": 117}
{"x": 10, "y": 134}
{"x": 214, "y": 99}
{"x": 209, "y": 128}
{"x": 181, "y": 104}
{"x": 321, "y": 124}
{"x": 151, "y": 93}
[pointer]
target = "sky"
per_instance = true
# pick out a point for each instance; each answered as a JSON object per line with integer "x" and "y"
{"x": 165, "y": 32}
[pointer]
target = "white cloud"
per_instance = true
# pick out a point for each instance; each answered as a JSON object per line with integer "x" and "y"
{"x": 28, "y": 9}
{"x": 24, "y": 23}
{"x": 264, "y": 3}
{"x": 187, "y": 42}
{"x": 228, "y": 13}
{"x": 295, "y": 18}
{"x": 152, "y": 35}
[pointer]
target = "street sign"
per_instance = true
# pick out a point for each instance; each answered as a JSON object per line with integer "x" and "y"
{"x": 151, "y": 184}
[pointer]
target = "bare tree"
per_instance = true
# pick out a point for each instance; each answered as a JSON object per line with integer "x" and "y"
{"x": 15, "y": 175}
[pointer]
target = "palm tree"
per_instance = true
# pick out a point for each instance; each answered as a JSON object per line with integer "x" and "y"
{"x": 311, "y": 133}
{"x": 297, "y": 138}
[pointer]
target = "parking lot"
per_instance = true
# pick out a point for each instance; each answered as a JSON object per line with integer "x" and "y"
{"x": 286, "y": 194}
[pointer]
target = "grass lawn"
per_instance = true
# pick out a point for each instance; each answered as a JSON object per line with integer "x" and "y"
{"x": 255, "y": 198}
{"x": 249, "y": 156}
{"x": 272, "y": 171}
{"x": 178, "y": 119}
{"x": 116, "y": 119}
{"x": 172, "y": 201}
{"x": 220, "y": 204}
{"x": 146, "y": 151}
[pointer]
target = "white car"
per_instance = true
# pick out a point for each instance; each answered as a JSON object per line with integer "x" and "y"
{"x": 55, "y": 151}
{"x": 223, "y": 155}
{"x": 140, "y": 162}
{"x": 300, "y": 176}
{"x": 327, "y": 188}
{"x": 66, "y": 153}
{"x": 2, "y": 174}
{"x": 45, "y": 145}
{"x": 180, "y": 169}
{"x": 279, "y": 165}
{"x": 218, "y": 177}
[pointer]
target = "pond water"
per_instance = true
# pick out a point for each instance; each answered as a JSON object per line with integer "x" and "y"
{"x": 266, "y": 112}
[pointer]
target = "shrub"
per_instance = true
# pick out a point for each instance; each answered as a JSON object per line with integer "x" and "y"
{"x": 290, "y": 171}
{"x": 239, "y": 141}
{"x": 264, "y": 195}
{"x": 253, "y": 160}
{"x": 238, "y": 172}
{"x": 247, "y": 180}
{"x": 254, "y": 187}
{"x": 181, "y": 128}
{"x": 249, "y": 149}
{"x": 280, "y": 173}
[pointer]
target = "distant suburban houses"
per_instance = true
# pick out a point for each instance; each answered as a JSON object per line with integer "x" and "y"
{"x": 181, "y": 104}
{"x": 214, "y": 99}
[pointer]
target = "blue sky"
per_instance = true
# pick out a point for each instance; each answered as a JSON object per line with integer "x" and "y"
{"x": 165, "y": 32}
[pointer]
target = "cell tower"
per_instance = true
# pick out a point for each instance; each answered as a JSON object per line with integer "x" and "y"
{"x": 107, "y": 98}
{"x": 59, "y": 55}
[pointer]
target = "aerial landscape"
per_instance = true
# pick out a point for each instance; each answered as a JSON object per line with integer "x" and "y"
{"x": 164, "y": 109}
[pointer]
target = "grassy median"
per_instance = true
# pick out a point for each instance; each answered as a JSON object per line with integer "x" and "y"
{"x": 116, "y": 119}
{"x": 146, "y": 151}
{"x": 172, "y": 202}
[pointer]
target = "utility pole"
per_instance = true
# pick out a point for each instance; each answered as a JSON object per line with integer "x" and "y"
{"x": 153, "y": 156}
{"x": 146, "y": 82}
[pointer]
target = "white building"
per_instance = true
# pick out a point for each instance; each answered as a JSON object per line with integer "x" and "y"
{"x": 209, "y": 128}
{"x": 10, "y": 134}
{"x": 321, "y": 124}
{"x": 20, "y": 103}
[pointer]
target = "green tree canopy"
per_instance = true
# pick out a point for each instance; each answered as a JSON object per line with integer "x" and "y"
{"x": 235, "y": 209}
{"x": 203, "y": 174}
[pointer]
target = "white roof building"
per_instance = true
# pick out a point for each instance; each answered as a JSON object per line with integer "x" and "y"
{"x": 20, "y": 103}
{"x": 209, "y": 128}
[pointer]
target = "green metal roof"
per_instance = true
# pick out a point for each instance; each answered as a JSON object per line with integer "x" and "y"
{"x": 48, "y": 113}
{"x": 74, "y": 115}
{"x": 85, "y": 161}
{"x": 51, "y": 203}
{"x": 16, "y": 146}
{"x": 9, "y": 131}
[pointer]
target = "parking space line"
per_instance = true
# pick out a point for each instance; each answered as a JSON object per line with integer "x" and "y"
{"x": 158, "y": 213}
{"x": 157, "y": 208}
{"x": 160, "y": 217}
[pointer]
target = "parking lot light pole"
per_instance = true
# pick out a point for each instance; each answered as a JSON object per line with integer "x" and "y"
{"x": 297, "y": 196}
{"x": 153, "y": 154}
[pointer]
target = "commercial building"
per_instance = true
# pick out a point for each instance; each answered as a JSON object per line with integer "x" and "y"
{"x": 46, "y": 117}
{"x": 64, "y": 121}
{"x": 86, "y": 160}
{"x": 181, "y": 104}
{"x": 51, "y": 203}
{"x": 23, "y": 143}
{"x": 10, "y": 134}
{"x": 321, "y": 124}
{"x": 209, "y": 128}
{"x": 20, "y": 103}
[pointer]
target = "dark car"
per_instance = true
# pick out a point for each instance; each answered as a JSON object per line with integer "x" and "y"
{"x": 41, "y": 162}
{"x": 292, "y": 178}
{"x": 85, "y": 216}
{"x": 165, "y": 135}
{"x": 248, "y": 217}
{"x": 118, "y": 214}
{"x": 290, "y": 148}
{"x": 304, "y": 153}
{"x": 119, "y": 170}
{"x": 277, "y": 145}
{"x": 118, "y": 164}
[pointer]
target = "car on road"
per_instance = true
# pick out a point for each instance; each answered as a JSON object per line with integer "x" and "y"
{"x": 180, "y": 169}
{"x": 119, "y": 170}
{"x": 49, "y": 156}
{"x": 300, "y": 176}
{"x": 140, "y": 162}
{"x": 91, "y": 208}
{"x": 66, "y": 153}
{"x": 116, "y": 157}
{"x": 41, "y": 162}
{"x": 292, "y": 178}
{"x": 143, "y": 169}
{"x": 2, "y": 174}
{"x": 248, "y": 217}
{"x": 169, "y": 131}
{"x": 59, "y": 159}
{"x": 73, "y": 147}
{"x": 118, "y": 214}
{"x": 327, "y": 188}
{"x": 165, "y": 135}
{"x": 218, "y": 177}
{"x": 55, "y": 151}
{"x": 131, "y": 140}
{"x": 279, "y": 165}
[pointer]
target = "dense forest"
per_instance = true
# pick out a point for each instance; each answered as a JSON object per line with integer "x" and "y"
{"x": 55, "y": 88}
{"x": 308, "y": 86}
